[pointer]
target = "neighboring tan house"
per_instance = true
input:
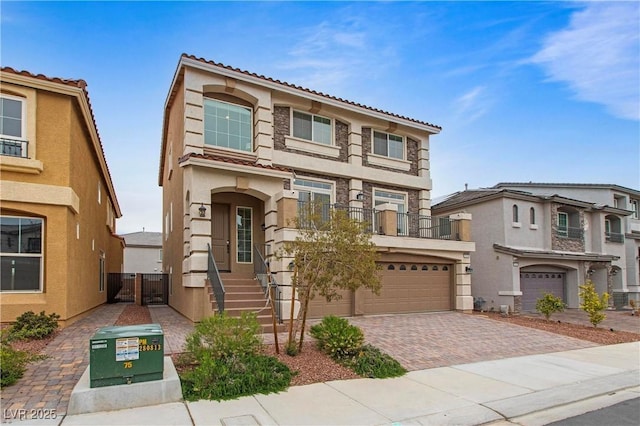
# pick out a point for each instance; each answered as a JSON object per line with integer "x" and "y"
{"x": 240, "y": 152}
{"x": 528, "y": 244}
{"x": 143, "y": 252}
{"x": 58, "y": 204}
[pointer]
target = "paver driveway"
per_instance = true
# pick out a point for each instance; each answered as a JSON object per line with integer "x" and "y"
{"x": 420, "y": 341}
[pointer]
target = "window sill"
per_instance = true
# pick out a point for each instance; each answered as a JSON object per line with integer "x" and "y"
{"x": 20, "y": 165}
{"x": 534, "y": 227}
{"x": 312, "y": 147}
{"x": 393, "y": 163}
{"x": 516, "y": 224}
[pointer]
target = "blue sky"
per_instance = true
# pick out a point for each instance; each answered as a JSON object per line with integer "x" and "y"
{"x": 524, "y": 91}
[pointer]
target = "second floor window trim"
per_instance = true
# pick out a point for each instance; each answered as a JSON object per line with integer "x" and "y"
{"x": 312, "y": 127}
{"x": 13, "y": 129}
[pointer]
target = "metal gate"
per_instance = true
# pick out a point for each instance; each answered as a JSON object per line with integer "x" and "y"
{"x": 121, "y": 287}
{"x": 155, "y": 289}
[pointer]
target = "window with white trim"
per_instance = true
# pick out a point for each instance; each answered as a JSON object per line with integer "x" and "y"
{"x": 388, "y": 145}
{"x": 21, "y": 246}
{"x": 12, "y": 126}
{"x": 312, "y": 127}
{"x": 563, "y": 224}
{"x": 244, "y": 224}
{"x": 634, "y": 208}
{"x": 227, "y": 125}
{"x": 316, "y": 193}
{"x": 397, "y": 198}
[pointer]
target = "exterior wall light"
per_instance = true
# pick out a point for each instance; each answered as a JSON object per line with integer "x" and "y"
{"x": 360, "y": 196}
{"x": 515, "y": 264}
{"x": 468, "y": 269}
{"x": 590, "y": 272}
{"x": 202, "y": 210}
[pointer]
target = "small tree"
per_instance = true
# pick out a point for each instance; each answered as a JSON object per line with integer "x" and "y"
{"x": 592, "y": 303}
{"x": 549, "y": 304}
{"x": 332, "y": 252}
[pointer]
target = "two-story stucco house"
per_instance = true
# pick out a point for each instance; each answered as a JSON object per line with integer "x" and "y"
{"x": 241, "y": 152}
{"x": 58, "y": 205}
{"x": 142, "y": 252}
{"x": 529, "y": 243}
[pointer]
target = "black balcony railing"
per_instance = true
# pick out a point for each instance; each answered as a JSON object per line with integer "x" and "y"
{"x": 14, "y": 147}
{"x": 614, "y": 237}
{"x": 569, "y": 232}
{"x": 409, "y": 224}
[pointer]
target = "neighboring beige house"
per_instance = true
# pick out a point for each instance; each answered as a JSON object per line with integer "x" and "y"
{"x": 240, "y": 152}
{"x": 530, "y": 240}
{"x": 143, "y": 252}
{"x": 57, "y": 220}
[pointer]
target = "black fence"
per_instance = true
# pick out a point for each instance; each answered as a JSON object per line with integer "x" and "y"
{"x": 121, "y": 287}
{"x": 155, "y": 289}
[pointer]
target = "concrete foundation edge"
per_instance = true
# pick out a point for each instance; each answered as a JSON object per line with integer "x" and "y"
{"x": 87, "y": 400}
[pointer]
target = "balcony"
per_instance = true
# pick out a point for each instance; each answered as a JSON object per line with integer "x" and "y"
{"x": 387, "y": 222}
{"x": 614, "y": 237}
{"x": 14, "y": 147}
{"x": 569, "y": 232}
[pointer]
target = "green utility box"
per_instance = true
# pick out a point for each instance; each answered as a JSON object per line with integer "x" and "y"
{"x": 124, "y": 355}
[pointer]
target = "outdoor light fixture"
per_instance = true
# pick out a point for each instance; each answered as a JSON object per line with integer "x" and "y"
{"x": 614, "y": 272}
{"x": 202, "y": 210}
{"x": 468, "y": 269}
{"x": 515, "y": 264}
{"x": 590, "y": 271}
{"x": 360, "y": 196}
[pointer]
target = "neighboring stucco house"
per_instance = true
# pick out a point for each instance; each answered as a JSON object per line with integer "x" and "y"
{"x": 241, "y": 152}
{"x": 529, "y": 244}
{"x": 143, "y": 252}
{"x": 58, "y": 205}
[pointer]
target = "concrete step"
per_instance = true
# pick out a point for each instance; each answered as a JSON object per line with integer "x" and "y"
{"x": 248, "y": 304}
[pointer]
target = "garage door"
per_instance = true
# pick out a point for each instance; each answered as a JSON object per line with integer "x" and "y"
{"x": 412, "y": 288}
{"x": 319, "y": 307}
{"x": 535, "y": 284}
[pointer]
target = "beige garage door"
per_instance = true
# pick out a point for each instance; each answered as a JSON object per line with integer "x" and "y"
{"x": 412, "y": 288}
{"x": 319, "y": 307}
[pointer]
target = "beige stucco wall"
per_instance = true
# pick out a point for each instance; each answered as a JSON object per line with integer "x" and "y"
{"x": 65, "y": 194}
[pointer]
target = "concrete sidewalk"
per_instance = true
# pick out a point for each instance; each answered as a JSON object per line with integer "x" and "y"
{"x": 527, "y": 390}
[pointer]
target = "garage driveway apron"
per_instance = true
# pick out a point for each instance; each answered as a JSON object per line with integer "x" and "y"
{"x": 429, "y": 340}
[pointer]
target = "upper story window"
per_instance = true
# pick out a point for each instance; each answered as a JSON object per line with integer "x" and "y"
{"x": 613, "y": 229}
{"x": 388, "y": 145}
{"x": 312, "y": 127}
{"x": 227, "y": 125}
{"x": 515, "y": 213}
{"x": 21, "y": 253}
{"x": 532, "y": 216}
{"x": 12, "y": 126}
{"x": 569, "y": 223}
{"x": 635, "y": 205}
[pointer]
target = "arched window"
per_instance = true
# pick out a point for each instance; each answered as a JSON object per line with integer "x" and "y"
{"x": 391, "y": 267}
{"x": 425, "y": 267}
{"x": 414, "y": 268}
{"x": 403, "y": 267}
{"x": 532, "y": 216}
{"x": 515, "y": 213}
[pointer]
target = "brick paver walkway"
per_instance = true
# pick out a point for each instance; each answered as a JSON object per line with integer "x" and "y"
{"x": 174, "y": 326}
{"x": 420, "y": 341}
{"x": 48, "y": 383}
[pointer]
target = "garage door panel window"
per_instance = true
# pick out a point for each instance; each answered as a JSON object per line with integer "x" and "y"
{"x": 21, "y": 253}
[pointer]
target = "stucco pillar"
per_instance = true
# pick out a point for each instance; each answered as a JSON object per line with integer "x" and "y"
{"x": 287, "y": 206}
{"x": 464, "y": 225}
{"x": 388, "y": 219}
{"x": 464, "y": 299}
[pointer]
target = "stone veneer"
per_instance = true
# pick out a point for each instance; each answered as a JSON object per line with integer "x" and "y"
{"x": 412, "y": 153}
{"x": 517, "y": 304}
{"x": 564, "y": 243}
{"x": 282, "y": 128}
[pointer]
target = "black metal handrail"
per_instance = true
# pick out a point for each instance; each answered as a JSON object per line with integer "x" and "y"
{"x": 216, "y": 283}
{"x": 614, "y": 237}
{"x": 369, "y": 216}
{"x": 266, "y": 278}
{"x": 14, "y": 147}
{"x": 570, "y": 232}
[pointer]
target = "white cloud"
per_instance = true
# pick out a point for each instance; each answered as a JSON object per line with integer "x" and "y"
{"x": 598, "y": 56}
{"x": 472, "y": 105}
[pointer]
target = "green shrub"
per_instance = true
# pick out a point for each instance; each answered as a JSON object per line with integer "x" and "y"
{"x": 291, "y": 348}
{"x": 13, "y": 364}
{"x": 32, "y": 326}
{"x": 222, "y": 336}
{"x": 549, "y": 304}
{"x": 369, "y": 361}
{"x": 336, "y": 337}
{"x": 592, "y": 303}
{"x": 235, "y": 376}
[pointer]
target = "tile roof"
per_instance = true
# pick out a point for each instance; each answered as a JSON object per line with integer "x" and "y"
{"x": 466, "y": 196}
{"x": 143, "y": 239}
{"x": 566, "y": 185}
{"x": 80, "y": 84}
{"x": 231, "y": 160}
{"x": 304, "y": 89}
